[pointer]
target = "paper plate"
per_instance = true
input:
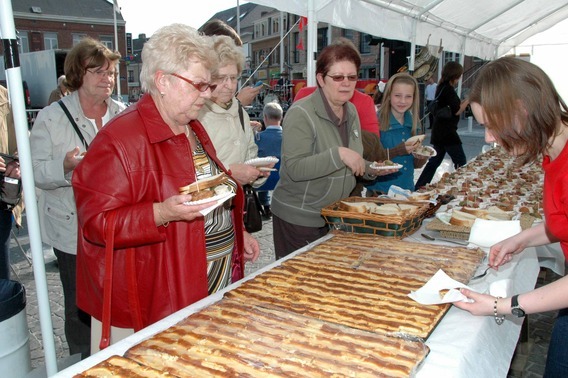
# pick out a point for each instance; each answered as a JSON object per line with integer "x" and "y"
{"x": 215, "y": 202}
{"x": 431, "y": 152}
{"x": 385, "y": 167}
{"x": 257, "y": 162}
{"x": 444, "y": 217}
{"x": 416, "y": 139}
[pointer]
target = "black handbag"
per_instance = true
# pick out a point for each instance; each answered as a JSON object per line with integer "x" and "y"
{"x": 438, "y": 112}
{"x": 10, "y": 188}
{"x": 253, "y": 216}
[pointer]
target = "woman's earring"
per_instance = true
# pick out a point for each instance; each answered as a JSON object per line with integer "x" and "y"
{"x": 162, "y": 94}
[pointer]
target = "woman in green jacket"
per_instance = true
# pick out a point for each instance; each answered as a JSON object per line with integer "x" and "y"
{"x": 321, "y": 151}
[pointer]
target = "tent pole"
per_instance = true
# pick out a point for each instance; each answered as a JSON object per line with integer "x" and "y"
{"x": 14, "y": 80}
{"x": 312, "y": 44}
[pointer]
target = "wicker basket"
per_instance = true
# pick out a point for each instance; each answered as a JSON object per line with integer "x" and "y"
{"x": 462, "y": 232}
{"x": 395, "y": 226}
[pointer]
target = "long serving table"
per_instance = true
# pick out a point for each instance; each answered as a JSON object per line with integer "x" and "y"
{"x": 462, "y": 345}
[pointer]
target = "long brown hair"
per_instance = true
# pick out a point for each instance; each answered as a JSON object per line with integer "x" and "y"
{"x": 386, "y": 107}
{"x": 521, "y": 106}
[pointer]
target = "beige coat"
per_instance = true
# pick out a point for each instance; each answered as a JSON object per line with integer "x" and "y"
{"x": 8, "y": 140}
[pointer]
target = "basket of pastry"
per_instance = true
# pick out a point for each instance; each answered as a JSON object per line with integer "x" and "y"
{"x": 457, "y": 222}
{"x": 376, "y": 215}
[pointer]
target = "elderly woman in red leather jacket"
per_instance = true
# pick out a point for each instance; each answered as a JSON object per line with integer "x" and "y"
{"x": 162, "y": 254}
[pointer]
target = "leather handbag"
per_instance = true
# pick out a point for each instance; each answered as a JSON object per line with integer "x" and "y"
{"x": 107, "y": 284}
{"x": 438, "y": 112}
{"x": 253, "y": 215}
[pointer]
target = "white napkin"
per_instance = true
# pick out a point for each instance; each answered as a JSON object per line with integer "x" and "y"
{"x": 485, "y": 233}
{"x": 429, "y": 294}
{"x": 217, "y": 203}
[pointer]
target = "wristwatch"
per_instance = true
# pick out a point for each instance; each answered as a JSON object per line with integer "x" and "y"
{"x": 516, "y": 309}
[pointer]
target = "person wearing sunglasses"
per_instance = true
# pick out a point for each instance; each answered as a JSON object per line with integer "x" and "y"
{"x": 321, "y": 151}
{"x": 59, "y": 138}
{"x": 167, "y": 253}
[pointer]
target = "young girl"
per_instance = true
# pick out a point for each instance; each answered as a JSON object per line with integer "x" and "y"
{"x": 398, "y": 119}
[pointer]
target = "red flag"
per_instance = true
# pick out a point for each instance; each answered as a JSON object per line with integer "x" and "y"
{"x": 303, "y": 22}
{"x": 300, "y": 45}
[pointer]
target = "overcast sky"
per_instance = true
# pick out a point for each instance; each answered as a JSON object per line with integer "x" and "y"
{"x": 142, "y": 17}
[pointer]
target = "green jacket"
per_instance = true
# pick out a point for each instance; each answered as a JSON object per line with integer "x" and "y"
{"x": 312, "y": 175}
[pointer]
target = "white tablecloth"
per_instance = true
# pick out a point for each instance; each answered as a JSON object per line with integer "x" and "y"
{"x": 462, "y": 345}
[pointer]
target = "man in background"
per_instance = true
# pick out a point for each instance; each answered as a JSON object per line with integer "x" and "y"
{"x": 59, "y": 92}
{"x": 430, "y": 95}
{"x": 269, "y": 143}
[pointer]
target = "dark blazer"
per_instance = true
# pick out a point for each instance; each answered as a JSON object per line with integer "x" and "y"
{"x": 445, "y": 132}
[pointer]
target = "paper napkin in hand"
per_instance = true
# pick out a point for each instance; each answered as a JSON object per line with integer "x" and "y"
{"x": 429, "y": 294}
{"x": 485, "y": 233}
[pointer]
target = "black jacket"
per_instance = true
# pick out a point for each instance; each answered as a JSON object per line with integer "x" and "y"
{"x": 445, "y": 132}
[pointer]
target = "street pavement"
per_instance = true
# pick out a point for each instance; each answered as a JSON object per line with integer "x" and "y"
{"x": 528, "y": 362}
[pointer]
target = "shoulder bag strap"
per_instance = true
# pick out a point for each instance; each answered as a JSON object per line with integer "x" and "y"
{"x": 107, "y": 281}
{"x": 60, "y": 102}
{"x": 439, "y": 94}
{"x": 241, "y": 116}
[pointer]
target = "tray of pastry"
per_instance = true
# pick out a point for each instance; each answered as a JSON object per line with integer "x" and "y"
{"x": 363, "y": 282}
{"x": 235, "y": 339}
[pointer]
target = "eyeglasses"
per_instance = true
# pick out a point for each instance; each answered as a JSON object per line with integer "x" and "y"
{"x": 104, "y": 73}
{"x": 201, "y": 87}
{"x": 230, "y": 78}
{"x": 339, "y": 78}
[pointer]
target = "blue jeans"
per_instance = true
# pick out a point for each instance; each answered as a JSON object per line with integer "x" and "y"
{"x": 557, "y": 359}
{"x": 458, "y": 158}
{"x": 264, "y": 197}
{"x": 6, "y": 220}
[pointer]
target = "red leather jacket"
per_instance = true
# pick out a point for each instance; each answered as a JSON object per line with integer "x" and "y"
{"x": 134, "y": 161}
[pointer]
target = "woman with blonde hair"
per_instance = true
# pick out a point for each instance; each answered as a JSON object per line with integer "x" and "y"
{"x": 399, "y": 116}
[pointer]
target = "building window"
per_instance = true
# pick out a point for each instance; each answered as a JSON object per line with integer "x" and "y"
{"x": 348, "y": 33}
{"x": 23, "y": 41}
{"x": 322, "y": 39}
{"x": 131, "y": 76}
{"x": 364, "y": 47}
{"x": 108, "y": 41}
{"x": 451, "y": 57}
{"x": 50, "y": 41}
{"x": 77, "y": 38}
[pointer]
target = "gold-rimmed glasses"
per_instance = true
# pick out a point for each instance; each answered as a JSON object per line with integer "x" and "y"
{"x": 111, "y": 74}
{"x": 201, "y": 87}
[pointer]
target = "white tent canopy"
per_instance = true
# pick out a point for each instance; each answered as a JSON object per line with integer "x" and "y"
{"x": 485, "y": 29}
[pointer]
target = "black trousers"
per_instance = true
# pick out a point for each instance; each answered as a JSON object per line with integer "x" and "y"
{"x": 77, "y": 321}
{"x": 289, "y": 237}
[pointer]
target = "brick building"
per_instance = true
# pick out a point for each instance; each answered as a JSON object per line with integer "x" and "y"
{"x": 58, "y": 25}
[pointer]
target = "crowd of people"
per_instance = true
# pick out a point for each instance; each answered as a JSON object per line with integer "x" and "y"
{"x": 132, "y": 250}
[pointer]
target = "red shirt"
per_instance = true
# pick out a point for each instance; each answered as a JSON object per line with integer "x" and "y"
{"x": 364, "y": 104}
{"x": 556, "y": 197}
